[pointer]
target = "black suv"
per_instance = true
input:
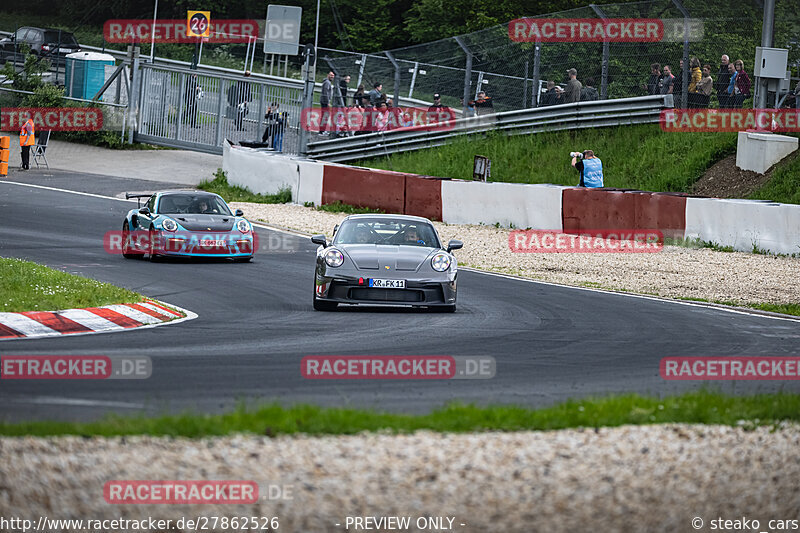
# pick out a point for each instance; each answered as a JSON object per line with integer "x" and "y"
{"x": 47, "y": 43}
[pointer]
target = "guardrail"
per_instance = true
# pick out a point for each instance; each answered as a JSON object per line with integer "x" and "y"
{"x": 619, "y": 112}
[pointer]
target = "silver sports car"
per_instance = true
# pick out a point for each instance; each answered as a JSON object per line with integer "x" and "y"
{"x": 385, "y": 259}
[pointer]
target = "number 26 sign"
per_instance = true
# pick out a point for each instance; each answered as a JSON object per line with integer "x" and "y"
{"x": 198, "y": 23}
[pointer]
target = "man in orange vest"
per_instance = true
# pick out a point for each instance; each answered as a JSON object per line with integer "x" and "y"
{"x": 26, "y": 140}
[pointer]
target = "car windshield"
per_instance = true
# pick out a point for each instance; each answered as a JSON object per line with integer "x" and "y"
{"x": 65, "y": 38}
{"x": 192, "y": 204}
{"x": 387, "y": 231}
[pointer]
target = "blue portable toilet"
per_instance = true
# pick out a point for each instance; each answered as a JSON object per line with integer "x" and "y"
{"x": 85, "y": 73}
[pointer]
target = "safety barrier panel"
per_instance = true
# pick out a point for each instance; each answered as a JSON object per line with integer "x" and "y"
{"x": 5, "y": 153}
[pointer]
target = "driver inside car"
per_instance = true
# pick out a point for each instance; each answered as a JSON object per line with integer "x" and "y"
{"x": 362, "y": 235}
{"x": 202, "y": 207}
{"x": 411, "y": 236}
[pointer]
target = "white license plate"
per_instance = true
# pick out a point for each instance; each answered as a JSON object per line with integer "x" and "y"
{"x": 387, "y": 283}
{"x": 213, "y": 243}
{"x": 65, "y": 50}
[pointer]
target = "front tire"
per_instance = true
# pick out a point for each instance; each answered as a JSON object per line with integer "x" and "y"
{"x": 153, "y": 257}
{"x": 127, "y": 252}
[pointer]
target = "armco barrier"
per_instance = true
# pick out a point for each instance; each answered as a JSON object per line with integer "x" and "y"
{"x": 517, "y": 204}
{"x": 743, "y": 224}
{"x": 378, "y": 189}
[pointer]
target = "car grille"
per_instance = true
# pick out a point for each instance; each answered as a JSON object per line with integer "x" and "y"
{"x": 386, "y": 295}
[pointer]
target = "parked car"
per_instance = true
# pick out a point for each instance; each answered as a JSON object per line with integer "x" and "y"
{"x": 51, "y": 44}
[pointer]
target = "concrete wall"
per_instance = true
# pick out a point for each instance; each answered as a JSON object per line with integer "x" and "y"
{"x": 524, "y": 206}
{"x": 744, "y": 223}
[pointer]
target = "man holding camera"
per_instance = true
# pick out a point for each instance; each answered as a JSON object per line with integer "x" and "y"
{"x": 590, "y": 167}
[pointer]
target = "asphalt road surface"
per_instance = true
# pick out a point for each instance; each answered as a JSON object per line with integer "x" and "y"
{"x": 256, "y": 323}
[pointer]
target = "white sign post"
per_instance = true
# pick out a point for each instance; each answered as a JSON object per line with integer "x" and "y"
{"x": 282, "y": 30}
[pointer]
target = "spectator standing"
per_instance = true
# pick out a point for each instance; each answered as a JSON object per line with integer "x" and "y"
{"x": 721, "y": 85}
{"x": 193, "y": 93}
{"x": 591, "y": 169}
{"x": 239, "y": 96}
{"x": 654, "y": 80}
{"x": 573, "y": 91}
{"x": 731, "y": 90}
{"x": 437, "y": 103}
{"x": 742, "y": 90}
{"x": 27, "y": 139}
{"x": 695, "y": 75}
{"x": 705, "y": 88}
{"x": 552, "y": 95}
{"x": 276, "y": 123}
{"x": 325, "y": 97}
{"x": 359, "y": 96}
{"x": 589, "y": 93}
{"x": 375, "y": 94}
{"x": 667, "y": 81}
{"x": 483, "y": 105}
{"x": 343, "y": 83}
{"x": 678, "y": 82}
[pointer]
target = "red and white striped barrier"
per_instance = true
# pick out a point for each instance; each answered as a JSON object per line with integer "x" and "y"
{"x": 741, "y": 224}
{"x": 90, "y": 320}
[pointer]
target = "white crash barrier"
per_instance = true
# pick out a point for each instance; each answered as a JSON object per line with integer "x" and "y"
{"x": 267, "y": 173}
{"x": 743, "y": 224}
{"x": 518, "y": 204}
{"x": 759, "y": 151}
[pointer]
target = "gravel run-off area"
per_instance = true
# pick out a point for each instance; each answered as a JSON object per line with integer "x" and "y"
{"x": 675, "y": 272}
{"x": 630, "y": 478}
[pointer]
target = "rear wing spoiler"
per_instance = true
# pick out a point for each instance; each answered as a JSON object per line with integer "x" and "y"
{"x": 138, "y": 196}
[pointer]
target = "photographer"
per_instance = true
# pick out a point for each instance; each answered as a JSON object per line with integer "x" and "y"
{"x": 590, "y": 167}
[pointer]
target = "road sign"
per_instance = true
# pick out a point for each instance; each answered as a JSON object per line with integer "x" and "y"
{"x": 198, "y": 23}
{"x": 282, "y": 30}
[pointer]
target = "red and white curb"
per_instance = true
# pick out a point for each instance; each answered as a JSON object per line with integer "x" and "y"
{"x": 119, "y": 317}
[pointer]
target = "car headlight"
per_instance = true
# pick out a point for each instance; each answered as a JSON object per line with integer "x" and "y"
{"x": 243, "y": 226}
{"x": 440, "y": 262}
{"x": 334, "y": 258}
{"x": 169, "y": 225}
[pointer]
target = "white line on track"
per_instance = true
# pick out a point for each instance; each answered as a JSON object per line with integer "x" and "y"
{"x": 79, "y": 402}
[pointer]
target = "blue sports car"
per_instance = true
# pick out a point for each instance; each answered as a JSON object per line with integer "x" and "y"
{"x": 186, "y": 224}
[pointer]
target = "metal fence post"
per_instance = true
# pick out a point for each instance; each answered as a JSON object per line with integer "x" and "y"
{"x": 218, "y": 133}
{"x": 537, "y": 60}
{"x": 413, "y": 79}
{"x": 606, "y": 52}
{"x": 361, "y": 69}
{"x": 133, "y": 101}
{"x": 685, "y": 72}
{"x": 396, "y": 66}
{"x": 467, "y": 72}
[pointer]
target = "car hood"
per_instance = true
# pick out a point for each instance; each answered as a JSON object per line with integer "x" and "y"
{"x": 380, "y": 256}
{"x": 194, "y": 222}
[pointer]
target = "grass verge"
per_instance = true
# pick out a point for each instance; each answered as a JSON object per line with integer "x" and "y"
{"x": 235, "y": 193}
{"x": 340, "y": 207}
{"x": 701, "y": 407}
{"x": 27, "y": 286}
{"x": 638, "y": 157}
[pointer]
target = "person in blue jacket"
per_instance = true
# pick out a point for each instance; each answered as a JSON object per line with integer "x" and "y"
{"x": 590, "y": 167}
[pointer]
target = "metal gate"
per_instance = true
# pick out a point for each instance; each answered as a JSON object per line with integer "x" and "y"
{"x": 182, "y": 108}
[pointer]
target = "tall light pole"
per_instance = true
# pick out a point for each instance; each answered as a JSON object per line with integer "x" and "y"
{"x": 153, "y": 33}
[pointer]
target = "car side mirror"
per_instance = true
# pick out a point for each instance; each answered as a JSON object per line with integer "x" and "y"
{"x": 320, "y": 239}
{"x": 239, "y": 213}
{"x": 454, "y": 245}
{"x": 144, "y": 211}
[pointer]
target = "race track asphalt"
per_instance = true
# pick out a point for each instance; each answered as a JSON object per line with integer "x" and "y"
{"x": 256, "y": 323}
